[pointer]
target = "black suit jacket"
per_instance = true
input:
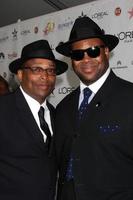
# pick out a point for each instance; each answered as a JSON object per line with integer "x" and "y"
{"x": 27, "y": 169}
{"x": 101, "y": 144}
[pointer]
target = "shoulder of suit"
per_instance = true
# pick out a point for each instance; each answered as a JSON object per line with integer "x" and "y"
{"x": 120, "y": 82}
{"x": 125, "y": 83}
{"x": 50, "y": 106}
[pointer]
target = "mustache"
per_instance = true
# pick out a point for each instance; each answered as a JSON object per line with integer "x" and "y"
{"x": 88, "y": 64}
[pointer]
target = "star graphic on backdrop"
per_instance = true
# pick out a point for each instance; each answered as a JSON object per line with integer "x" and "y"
{"x": 14, "y": 33}
{"x": 130, "y": 13}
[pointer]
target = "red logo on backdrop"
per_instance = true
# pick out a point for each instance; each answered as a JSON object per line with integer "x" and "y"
{"x": 130, "y": 12}
{"x": 118, "y": 11}
{"x": 36, "y": 29}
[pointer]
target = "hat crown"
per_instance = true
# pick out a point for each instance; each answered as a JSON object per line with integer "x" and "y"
{"x": 86, "y": 27}
{"x": 37, "y": 49}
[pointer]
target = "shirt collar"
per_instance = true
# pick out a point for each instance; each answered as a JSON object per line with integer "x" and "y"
{"x": 94, "y": 87}
{"x": 33, "y": 104}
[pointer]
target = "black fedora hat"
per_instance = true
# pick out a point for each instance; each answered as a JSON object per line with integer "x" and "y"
{"x": 37, "y": 49}
{"x": 85, "y": 28}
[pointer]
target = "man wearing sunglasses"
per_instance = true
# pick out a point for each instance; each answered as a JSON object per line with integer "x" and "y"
{"x": 28, "y": 167}
{"x": 94, "y": 124}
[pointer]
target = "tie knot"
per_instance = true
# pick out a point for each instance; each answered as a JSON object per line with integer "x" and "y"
{"x": 41, "y": 112}
{"x": 87, "y": 93}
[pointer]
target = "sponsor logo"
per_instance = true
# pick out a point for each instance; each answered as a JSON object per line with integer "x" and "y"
{"x": 99, "y": 15}
{"x": 126, "y": 36}
{"x": 66, "y": 24}
{"x": 132, "y": 62}
{"x": 65, "y": 90}
{"x": 49, "y": 28}
{"x": 2, "y": 56}
{"x": 25, "y": 32}
{"x": 4, "y": 74}
{"x": 119, "y": 65}
{"x": 130, "y": 12}
{"x": 118, "y": 11}
{"x": 36, "y": 29}
{"x": 12, "y": 55}
{"x": 14, "y": 34}
{"x": 4, "y": 39}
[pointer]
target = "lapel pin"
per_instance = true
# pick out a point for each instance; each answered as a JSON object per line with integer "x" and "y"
{"x": 98, "y": 104}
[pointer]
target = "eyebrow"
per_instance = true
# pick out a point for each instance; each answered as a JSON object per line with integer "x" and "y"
{"x": 38, "y": 65}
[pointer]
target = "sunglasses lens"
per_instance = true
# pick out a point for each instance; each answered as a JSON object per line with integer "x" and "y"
{"x": 77, "y": 55}
{"x": 93, "y": 52}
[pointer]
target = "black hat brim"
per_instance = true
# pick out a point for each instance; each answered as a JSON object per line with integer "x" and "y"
{"x": 15, "y": 65}
{"x": 110, "y": 41}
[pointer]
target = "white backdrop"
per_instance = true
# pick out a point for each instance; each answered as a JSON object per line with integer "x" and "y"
{"x": 114, "y": 16}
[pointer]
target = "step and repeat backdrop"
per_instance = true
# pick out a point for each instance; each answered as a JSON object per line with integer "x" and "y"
{"x": 114, "y": 16}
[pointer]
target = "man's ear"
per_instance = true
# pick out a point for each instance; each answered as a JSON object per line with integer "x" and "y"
{"x": 107, "y": 52}
{"x": 19, "y": 75}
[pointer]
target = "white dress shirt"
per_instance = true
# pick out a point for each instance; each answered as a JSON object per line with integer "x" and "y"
{"x": 94, "y": 87}
{"x": 34, "y": 107}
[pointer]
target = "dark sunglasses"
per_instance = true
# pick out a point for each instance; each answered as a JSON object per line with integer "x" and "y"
{"x": 92, "y": 52}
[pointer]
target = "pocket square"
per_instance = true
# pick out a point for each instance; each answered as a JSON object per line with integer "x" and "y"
{"x": 109, "y": 129}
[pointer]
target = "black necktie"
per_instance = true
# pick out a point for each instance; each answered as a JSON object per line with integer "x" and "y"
{"x": 44, "y": 125}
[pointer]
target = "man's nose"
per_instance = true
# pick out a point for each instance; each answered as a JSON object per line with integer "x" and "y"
{"x": 86, "y": 57}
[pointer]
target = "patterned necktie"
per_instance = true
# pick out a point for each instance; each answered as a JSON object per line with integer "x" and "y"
{"x": 82, "y": 109}
{"x": 44, "y": 126}
{"x": 87, "y": 93}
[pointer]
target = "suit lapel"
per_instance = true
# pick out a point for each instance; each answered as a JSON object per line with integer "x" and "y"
{"x": 102, "y": 97}
{"x": 28, "y": 120}
{"x": 52, "y": 117}
{"x": 73, "y": 108}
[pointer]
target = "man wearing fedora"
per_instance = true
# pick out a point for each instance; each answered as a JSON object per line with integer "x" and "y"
{"x": 94, "y": 124}
{"x": 28, "y": 167}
